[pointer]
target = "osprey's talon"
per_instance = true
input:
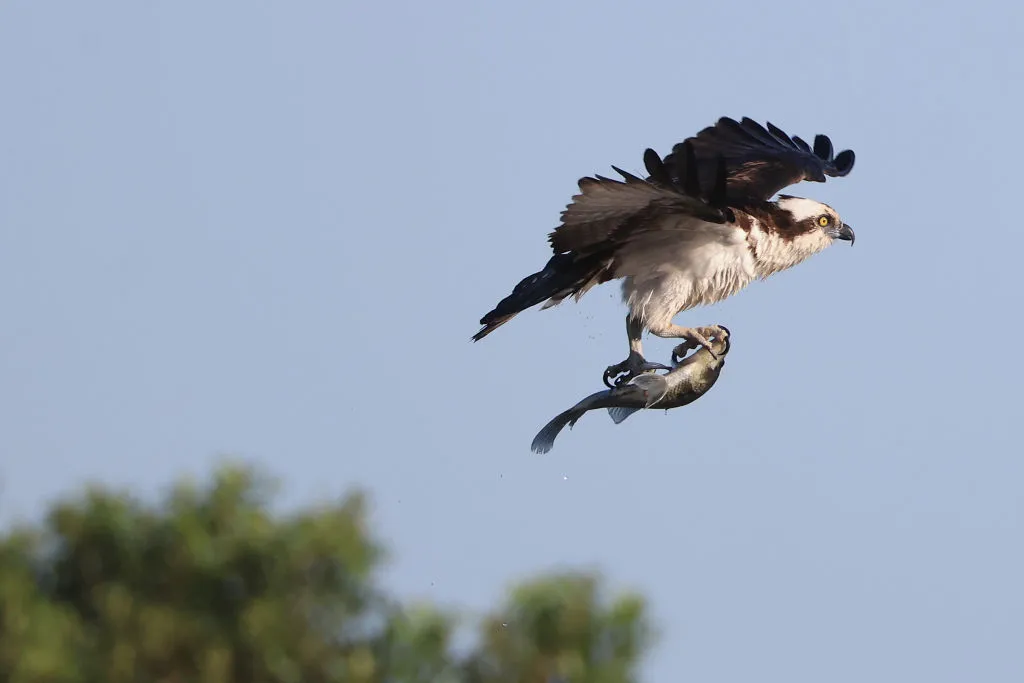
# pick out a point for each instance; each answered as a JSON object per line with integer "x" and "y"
{"x": 697, "y": 337}
{"x": 630, "y": 368}
{"x": 679, "y": 352}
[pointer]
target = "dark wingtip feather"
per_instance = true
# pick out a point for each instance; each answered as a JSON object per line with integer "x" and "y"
{"x": 779, "y": 133}
{"x": 691, "y": 176}
{"x": 629, "y": 177}
{"x": 786, "y": 140}
{"x": 844, "y": 162}
{"x": 656, "y": 167}
{"x": 733, "y": 126}
{"x": 752, "y": 126}
{"x": 719, "y": 196}
{"x": 823, "y": 147}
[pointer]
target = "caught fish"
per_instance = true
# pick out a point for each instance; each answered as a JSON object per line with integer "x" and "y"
{"x": 683, "y": 384}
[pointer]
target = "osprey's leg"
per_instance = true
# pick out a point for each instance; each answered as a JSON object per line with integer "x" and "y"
{"x": 695, "y": 337}
{"x": 635, "y": 364}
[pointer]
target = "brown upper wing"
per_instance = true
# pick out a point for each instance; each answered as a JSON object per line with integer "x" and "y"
{"x": 759, "y": 161}
{"x": 606, "y": 212}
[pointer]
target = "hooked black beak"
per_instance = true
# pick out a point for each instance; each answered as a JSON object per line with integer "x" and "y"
{"x": 845, "y": 233}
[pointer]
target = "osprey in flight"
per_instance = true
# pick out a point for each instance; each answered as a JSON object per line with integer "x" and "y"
{"x": 697, "y": 230}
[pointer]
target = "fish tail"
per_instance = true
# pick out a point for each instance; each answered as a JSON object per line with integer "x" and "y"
{"x": 545, "y": 439}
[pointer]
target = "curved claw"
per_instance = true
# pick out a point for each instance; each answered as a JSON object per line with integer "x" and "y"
{"x": 625, "y": 371}
{"x": 680, "y": 351}
{"x": 612, "y": 371}
{"x": 700, "y": 340}
{"x": 677, "y": 357}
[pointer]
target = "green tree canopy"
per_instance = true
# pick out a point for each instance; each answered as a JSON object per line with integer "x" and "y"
{"x": 210, "y": 585}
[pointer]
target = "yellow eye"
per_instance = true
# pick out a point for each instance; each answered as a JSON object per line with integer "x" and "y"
{"x": 823, "y": 221}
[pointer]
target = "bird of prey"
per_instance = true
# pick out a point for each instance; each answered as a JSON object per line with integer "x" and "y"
{"x": 701, "y": 227}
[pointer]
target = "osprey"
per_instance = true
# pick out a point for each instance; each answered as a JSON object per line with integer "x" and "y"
{"x": 698, "y": 229}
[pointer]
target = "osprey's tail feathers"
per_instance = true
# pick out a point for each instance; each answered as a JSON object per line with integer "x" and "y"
{"x": 564, "y": 275}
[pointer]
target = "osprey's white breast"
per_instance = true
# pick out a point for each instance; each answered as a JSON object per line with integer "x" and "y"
{"x": 662, "y": 279}
{"x": 667, "y": 273}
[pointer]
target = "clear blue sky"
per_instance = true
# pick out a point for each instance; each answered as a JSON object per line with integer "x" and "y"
{"x": 269, "y": 229}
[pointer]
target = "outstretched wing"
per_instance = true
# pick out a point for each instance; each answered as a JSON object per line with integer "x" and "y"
{"x": 608, "y": 213}
{"x": 759, "y": 161}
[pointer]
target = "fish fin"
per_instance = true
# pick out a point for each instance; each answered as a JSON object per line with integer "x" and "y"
{"x": 653, "y": 386}
{"x": 618, "y": 413}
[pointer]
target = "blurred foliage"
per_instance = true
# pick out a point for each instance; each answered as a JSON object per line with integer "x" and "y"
{"x": 210, "y": 586}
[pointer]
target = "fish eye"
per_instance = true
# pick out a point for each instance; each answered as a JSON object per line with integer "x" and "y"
{"x": 824, "y": 220}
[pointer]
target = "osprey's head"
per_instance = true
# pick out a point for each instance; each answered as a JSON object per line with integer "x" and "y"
{"x": 810, "y": 215}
